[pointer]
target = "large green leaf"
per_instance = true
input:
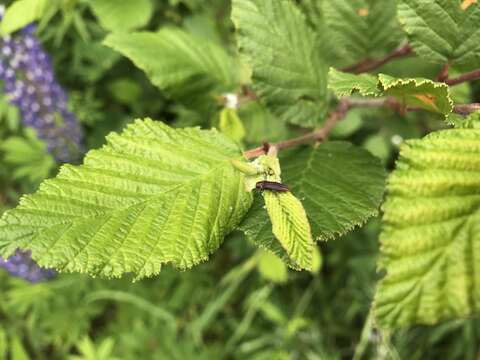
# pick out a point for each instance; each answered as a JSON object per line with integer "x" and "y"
{"x": 122, "y": 15}
{"x": 340, "y": 186}
{"x": 288, "y": 70}
{"x": 152, "y": 195}
{"x": 359, "y": 29}
{"x": 185, "y": 67}
{"x": 431, "y": 240}
{"x": 442, "y": 31}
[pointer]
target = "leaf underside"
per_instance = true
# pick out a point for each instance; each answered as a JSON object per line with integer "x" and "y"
{"x": 152, "y": 195}
{"x": 430, "y": 240}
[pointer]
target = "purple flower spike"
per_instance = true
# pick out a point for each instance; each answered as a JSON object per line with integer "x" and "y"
{"x": 21, "y": 265}
{"x": 29, "y": 82}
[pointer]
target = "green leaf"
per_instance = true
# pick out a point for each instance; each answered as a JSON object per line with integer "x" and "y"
{"x": 288, "y": 71}
{"x": 422, "y": 93}
{"x": 3, "y": 343}
{"x": 272, "y": 268}
{"x": 152, "y": 195}
{"x": 472, "y": 121}
{"x": 260, "y": 124}
{"x": 430, "y": 239}
{"x": 419, "y": 93}
{"x": 317, "y": 261}
{"x": 122, "y": 15}
{"x": 345, "y": 84}
{"x": 231, "y": 125}
{"x": 335, "y": 200}
{"x": 28, "y": 157}
{"x": 17, "y": 350}
{"x": 258, "y": 229}
{"x": 359, "y": 29}
{"x": 340, "y": 186}
{"x": 350, "y": 124}
{"x": 442, "y": 31}
{"x": 22, "y": 13}
{"x": 185, "y": 67}
{"x": 290, "y": 226}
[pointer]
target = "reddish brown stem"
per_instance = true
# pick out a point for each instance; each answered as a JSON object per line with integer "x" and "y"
{"x": 469, "y": 76}
{"x": 443, "y": 75}
{"x": 372, "y": 64}
{"x": 340, "y": 112}
{"x": 466, "y": 109}
{"x": 318, "y": 135}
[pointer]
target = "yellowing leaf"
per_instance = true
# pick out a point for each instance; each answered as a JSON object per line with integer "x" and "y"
{"x": 467, "y": 3}
{"x": 415, "y": 92}
{"x": 362, "y": 12}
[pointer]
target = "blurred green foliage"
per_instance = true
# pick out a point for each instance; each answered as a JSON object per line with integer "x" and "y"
{"x": 234, "y": 307}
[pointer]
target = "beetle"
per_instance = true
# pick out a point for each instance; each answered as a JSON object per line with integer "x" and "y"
{"x": 271, "y": 185}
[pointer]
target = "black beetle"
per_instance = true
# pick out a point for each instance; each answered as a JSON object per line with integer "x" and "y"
{"x": 271, "y": 185}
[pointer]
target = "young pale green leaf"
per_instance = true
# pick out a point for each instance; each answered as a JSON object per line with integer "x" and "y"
{"x": 430, "y": 240}
{"x": 442, "y": 31}
{"x": 122, "y": 15}
{"x": 231, "y": 125}
{"x": 345, "y": 84}
{"x": 359, "y": 29}
{"x": 419, "y": 93}
{"x": 288, "y": 70}
{"x": 185, "y": 67}
{"x": 272, "y": 268}
{"x": 22, "y": 13}
{"x": 290, "y": 226}
{"x": 152, "y": 195}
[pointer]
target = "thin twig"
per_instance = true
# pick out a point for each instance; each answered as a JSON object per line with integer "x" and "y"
{"x": 318, "y": 135}
{"x": 469, "y": 76}
{"x": 341, "y": 111}
{"x": 466, "y": 109}
{"x": 443, "y": 75}
{"x": 372, "y": 64}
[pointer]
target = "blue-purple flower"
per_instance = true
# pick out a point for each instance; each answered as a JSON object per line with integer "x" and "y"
{"x": 30, "y": 84}
{"x": 22, "y": 265}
